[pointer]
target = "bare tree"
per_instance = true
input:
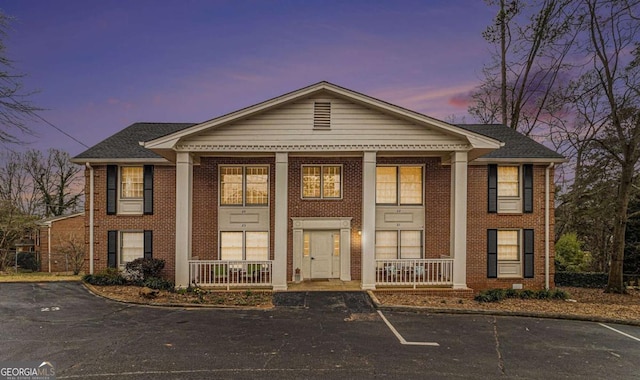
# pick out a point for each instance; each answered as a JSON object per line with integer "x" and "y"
{"x": 55, "y": 178}
{"x": 40, "y": 185}
{"x": 14, "y": 224}
{"x": 16, "y": 186}
{"x": 15, "y": 108}
{"x": 532, "y": 44}
{"x": 73, "y": 247}
{"x": 611, "y": 89}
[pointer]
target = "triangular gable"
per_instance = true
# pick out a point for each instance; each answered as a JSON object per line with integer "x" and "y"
{"x": 256, "y": 128}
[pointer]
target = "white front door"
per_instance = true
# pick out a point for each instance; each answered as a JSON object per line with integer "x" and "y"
{"x": 322, "y": 254}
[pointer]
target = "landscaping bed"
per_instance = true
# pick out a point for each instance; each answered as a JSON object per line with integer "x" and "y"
{"x": 186, "y": 297}
{"x": 582, "y": 302}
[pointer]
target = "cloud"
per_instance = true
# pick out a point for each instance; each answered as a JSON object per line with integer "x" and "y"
{"x": 461, "y": 100}
{"x": 434, "y": 101}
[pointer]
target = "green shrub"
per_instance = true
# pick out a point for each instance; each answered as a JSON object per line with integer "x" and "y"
{"x": 28, "y": 261}
{"x": 511, "y": 293}
{"x": 141, "y": 269}
{"x": 495, "y": 295}
{"x": 159, "y": 283}
{"x": 109, "y": 276}
{"x": 491, "y": 295}
{"x": 543, "y": 294}
{"x": 581, "y": 280}
{"x": 527, "y": 294}
{"x": 569, "y": 254}
{"x": 559, "y": 294}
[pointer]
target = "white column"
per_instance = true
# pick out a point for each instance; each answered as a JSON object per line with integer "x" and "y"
{"x": 368, "y": 220}
{"x": 281, "y": 223}
{"x": 184, "y": 185}
{"x": 459, "y": 218}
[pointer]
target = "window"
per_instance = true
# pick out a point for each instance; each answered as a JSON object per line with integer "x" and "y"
{"x": 510, "y": 188}
{"x": 508, "y": 181}
{"x": 508, "y": 245}
{"x": 126, "y": 246}
{"x": 392, "y": 245}
{"x": 129, "y": 190}
{"x": 510, "y": 253}
{"x": 131, "y": 246}
{"x": 249, "y": 245}
{"x": 399, "y": 185}
{"x": 321, "y": 181}
{"x": 131, "y": 182}
{"x": 244, "y": 185}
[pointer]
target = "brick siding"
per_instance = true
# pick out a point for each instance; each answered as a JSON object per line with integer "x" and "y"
{"x": 61, "y": 231}
{"x": 437, "y": 196}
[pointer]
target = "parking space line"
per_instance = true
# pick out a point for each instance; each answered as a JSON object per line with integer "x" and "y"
{"x": 620, "y": 332}
{"x": 400, "y": 338}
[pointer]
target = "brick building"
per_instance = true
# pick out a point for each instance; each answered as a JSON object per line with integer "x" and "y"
{"x": 55, "y": 232}
{"x": 324, "y": 183}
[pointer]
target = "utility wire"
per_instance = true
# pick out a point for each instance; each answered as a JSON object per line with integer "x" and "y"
{"x": 61, "y": 131}
{"x": 50, "y": 123}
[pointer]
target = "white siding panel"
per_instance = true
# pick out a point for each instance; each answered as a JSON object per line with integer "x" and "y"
{"x": 293, "y": 124}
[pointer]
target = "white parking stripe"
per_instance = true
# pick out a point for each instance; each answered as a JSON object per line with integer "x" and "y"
{"x": 620, "y": 332}
{"x": 400, "y": 338}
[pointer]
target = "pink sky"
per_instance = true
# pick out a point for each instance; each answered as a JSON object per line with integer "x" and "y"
{"x": 100, "y": 66}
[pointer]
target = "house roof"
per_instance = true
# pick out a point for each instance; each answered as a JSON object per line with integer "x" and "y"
{"x": 135, "y": 143}
{"x": 126, "y": 143}
{"x": 59, "y": 217}
{"x": 516, "y": 145}
{"x": 166, "y": 145}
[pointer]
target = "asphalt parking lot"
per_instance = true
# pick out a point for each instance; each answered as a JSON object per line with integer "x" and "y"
{"x": 311, "y": 336}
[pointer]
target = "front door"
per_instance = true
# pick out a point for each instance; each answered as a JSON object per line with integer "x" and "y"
{"x": 322, "y": 252}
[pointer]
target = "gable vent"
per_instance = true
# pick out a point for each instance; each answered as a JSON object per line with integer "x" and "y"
{"x": 321, "y": 115}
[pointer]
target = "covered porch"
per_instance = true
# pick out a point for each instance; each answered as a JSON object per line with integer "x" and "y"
{"x": 254, "y": 274}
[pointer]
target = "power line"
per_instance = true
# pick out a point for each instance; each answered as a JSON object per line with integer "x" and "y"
{"x": 32, "y": 112}
{"x": 61, "y": 131}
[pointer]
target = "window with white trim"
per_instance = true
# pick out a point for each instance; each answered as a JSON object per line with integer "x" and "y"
{"x": 508, "y": 181}
{"x": 399, "y": 185}
{"x": 404, "y": 244}
{"x": 321, "y": 181}
{"x": 244, "y": 245}
{"x": 508, "y": 245}
{"x": 131, "y": 246}
{"x": 244, "y": 185}
{"x": 131, "y": 182}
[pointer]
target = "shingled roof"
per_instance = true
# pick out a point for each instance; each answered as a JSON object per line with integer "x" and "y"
{"x": 125, "y": 144}
{"x": 516, "y": 145}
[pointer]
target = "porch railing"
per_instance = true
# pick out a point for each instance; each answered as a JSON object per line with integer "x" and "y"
{"x": 229, "y": 273}
{"x": 414, "y": 272}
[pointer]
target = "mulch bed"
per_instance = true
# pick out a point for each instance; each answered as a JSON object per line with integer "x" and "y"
{"x": 583, "y": 302}
{"x": 235, "y": 298}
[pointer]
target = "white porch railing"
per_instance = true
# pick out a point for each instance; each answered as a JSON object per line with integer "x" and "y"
{"x": 229, "y": 273}
{"x": 413, "y": 272}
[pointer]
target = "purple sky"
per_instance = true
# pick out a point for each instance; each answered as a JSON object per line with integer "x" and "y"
{"x": 102, "y": 65}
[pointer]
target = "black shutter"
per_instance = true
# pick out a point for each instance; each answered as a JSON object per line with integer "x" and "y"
{"x": 112, "y": 249}
{"x": 148, "y": 244}
{"x": 528, "y": 253}
{"x": 493, "y": 188}
{"x": 112, "y": 189}
{"x": 527, "y": 201}
{"x": 492, "y": 253}
{"x": 148, "y": 189}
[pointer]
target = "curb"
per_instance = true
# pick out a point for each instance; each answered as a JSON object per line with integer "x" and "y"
{"x": 93, "y": 291}
{"x": 503, "y": 313}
